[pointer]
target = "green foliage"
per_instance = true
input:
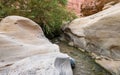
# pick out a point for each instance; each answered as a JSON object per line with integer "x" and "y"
{"x": 50, "y": 14}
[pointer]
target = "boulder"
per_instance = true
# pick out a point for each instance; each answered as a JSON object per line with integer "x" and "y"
{"x": 24, "y": 50}
{"x": 99, "y": 34}
{"x": 42, "y": 64}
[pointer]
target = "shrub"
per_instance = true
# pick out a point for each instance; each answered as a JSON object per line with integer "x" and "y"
{"x": 50, "y": 14}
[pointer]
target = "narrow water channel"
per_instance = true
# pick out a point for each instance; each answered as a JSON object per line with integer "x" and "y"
{"x": 85, "y": 65}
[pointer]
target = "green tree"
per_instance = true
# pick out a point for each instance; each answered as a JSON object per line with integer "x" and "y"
{"x": 49, "y": 14}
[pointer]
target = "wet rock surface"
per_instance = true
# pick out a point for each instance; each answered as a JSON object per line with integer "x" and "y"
{"x": 85, "y": 65}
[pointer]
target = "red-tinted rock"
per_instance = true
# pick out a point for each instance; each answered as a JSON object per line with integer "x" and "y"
{"x": 74, "y": 5}
{"x": 87, "y": 7}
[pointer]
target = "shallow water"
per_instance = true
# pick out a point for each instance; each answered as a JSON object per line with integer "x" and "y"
{"x": 85, "y": 65}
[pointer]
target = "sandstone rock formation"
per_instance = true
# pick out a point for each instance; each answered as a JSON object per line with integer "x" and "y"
{"x": 74, "y": 5}
{"x": 24, "y": 50}
{"x": 89, "y": 7}
{"x": 99, "y": 34}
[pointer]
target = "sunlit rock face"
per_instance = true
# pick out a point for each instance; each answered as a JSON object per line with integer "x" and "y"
{"x": 99, "y": 34}
{"x": 24, "y": 50}
{"x": 88, "y": 7}
{"x": 74, "y": 5}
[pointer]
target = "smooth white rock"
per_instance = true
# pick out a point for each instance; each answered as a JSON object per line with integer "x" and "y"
{"x": 24, "y": 50}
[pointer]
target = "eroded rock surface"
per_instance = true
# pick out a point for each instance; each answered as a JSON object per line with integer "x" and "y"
{"x": 24, "y": 50}
{"x": 99, "y": 34}
{"x": 89, "y": 7}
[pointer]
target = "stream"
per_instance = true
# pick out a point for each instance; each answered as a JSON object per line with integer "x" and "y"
{"x": 85, "y": 65}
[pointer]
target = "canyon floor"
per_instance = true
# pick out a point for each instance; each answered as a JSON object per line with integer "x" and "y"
{"x": 85, "y": 65}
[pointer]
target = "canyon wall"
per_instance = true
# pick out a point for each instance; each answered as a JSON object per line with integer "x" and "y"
{"x": 89, "y": 7}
